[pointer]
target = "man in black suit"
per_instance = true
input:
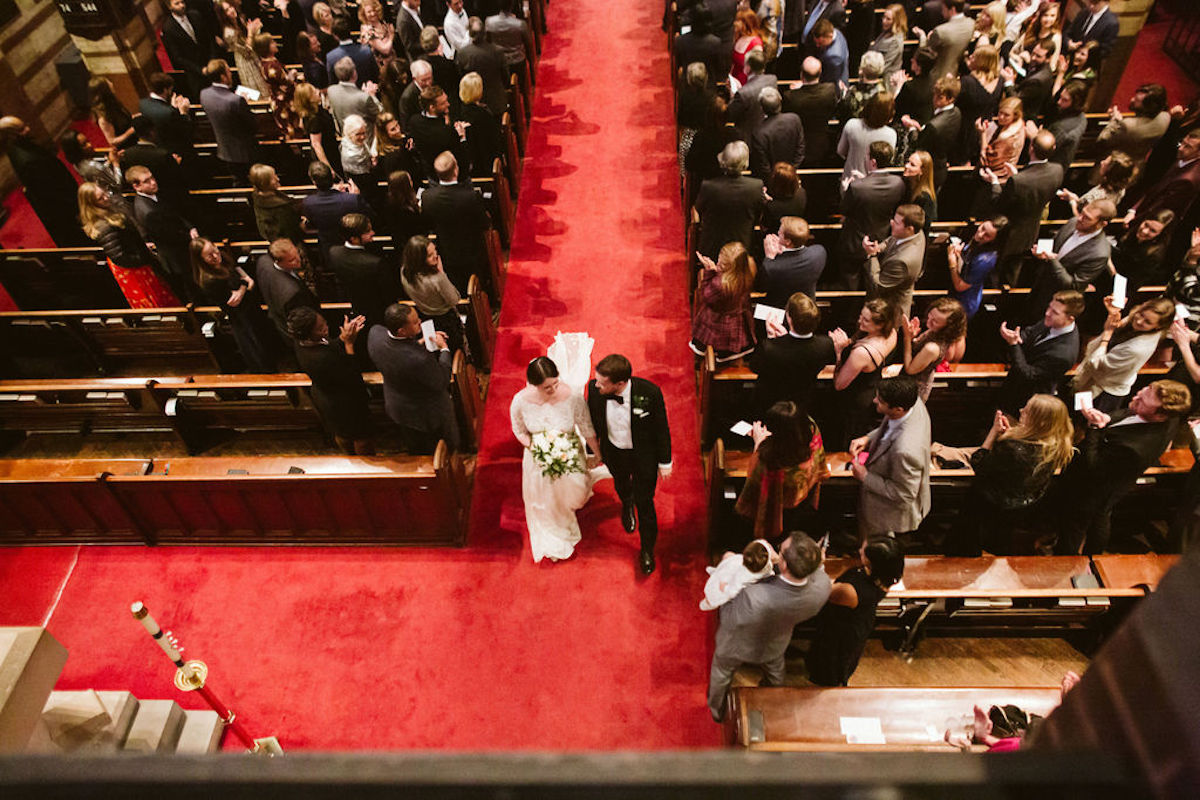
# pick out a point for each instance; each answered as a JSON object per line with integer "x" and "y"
{"x": 1034, "y": 89}
{"x": 369, "y": 283}
{"x": 700, "y": 44}
{"x": 1041, "y": 354}
{"x": 814, "y": 102}
{"x": 1022, "y": 199}
{"x": 868, "y": 206}
{"x": 433, "y": 133}
{"x": 459, "y": 217}
{"x": 1114, "y": 453}
{"x": 1080, "y": 255}
{"x": 939, "y": 137}
{"x": 281, "y": 288}
{"x": 780, "y": 136}
{"x": 145, "y": 152}
{"x": 170, "y": 116}
{"x": 165, "y": 226}
{"x": 723, "y": 13}
{"x": 445, "y": 72}
{"x": 189, "y": 44}
{"x": 49, "y": 186}
{"x": 793, "y": 264}
{"x": 416, "y": 381}
{"x": 630, "y": 419}
{"x": 408, "y": 27}
{"x": 1095, "y": 22}
{"x": 729, "y": 205}
{"x": 788, "y": 362}
{"x": 324, "y": 209}
{"x": 744, "y": 109}
{"x": 488, "y": 60}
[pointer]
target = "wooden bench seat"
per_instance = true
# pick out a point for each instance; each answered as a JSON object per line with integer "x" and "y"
{"x": 408, "y": 500}
{"x": 787, "y": 718}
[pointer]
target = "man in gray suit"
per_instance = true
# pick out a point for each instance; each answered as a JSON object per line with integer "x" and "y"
{"x": 745, "y": 111}
{"x": 949, "y": 40}
{"x": 231, "y": 119}
{"x": 756, "y": 625}
{"x": 1022, "y": 199}
{"x": 894, "y": 497}
{"x": 416, "y": 382}
{"x": 1080, "y": 255}
{"x": 894, "y": 265}
{"x": 780, "y": 137}
{"x": 345, "y": 98}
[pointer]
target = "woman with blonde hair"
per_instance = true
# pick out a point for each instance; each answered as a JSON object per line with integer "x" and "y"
{"x": 890, "y": 42}
{"x": 327, "y": 40}
{"x": 859, "y": 365}
{"x": 281, "y": 83}
{"x": 722, "y": 306}
{"x": 1111, "y": 361}
{"x": 237, "y": 35}
{"x": 1002, "y": 140}
{"x": 989, "y": 26}
{"x": 980, "y": 92}
{"x": 944, "y": 340}
{"x": 317, "y": 123}
{"x": 359, "y": 159}
{"x": 129, "y": 259}
{"x": 918, "y": 177}
{"x": 1013, "y": 468}
{"x": 485, "y": 141}
{"x": 276, "y": 214}
{"x": 375, "y": 31}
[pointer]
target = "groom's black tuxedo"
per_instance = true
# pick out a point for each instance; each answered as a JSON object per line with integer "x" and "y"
{"x": 635, "y": 471}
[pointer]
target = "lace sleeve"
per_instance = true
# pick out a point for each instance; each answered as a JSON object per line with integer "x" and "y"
{"x": 583, "y": 419}
{"x": 518, "y": 419}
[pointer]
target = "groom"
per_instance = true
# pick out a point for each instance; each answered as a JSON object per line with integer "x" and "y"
{"x": 630, "y": 419}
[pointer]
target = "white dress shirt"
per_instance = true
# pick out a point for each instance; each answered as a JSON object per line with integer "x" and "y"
{"x": 620, "y": 419}
{"x": 455, "y": 26}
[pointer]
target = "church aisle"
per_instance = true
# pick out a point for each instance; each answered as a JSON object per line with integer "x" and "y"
{"x": 480, "y": 648}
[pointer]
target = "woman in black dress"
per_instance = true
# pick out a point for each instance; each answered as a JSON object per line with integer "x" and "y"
{"x": 338, "y": 390}
{"x": 402, "y": 219}
{"x": 222, "y": 283}
{"x": 859, "y": 366}
{"x": 318, "y": 126}
{"x": 1140, "y": 252}
{"x": 485, "y": 141}
{"x": 848, "y": 619}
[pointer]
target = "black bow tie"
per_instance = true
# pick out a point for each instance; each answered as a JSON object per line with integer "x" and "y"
{"x": 616, "y": 398}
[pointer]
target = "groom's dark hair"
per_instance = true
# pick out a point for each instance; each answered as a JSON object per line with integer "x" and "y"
{"x": 802, "y": 555}
{"x": 615, "y": 367}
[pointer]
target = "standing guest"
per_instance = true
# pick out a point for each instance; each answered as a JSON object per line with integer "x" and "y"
{"x": 459, "y": 217}
{"x": 166, "y": 227}
{"x": 704, "y": 156}
{"x": 327, "y": 40}
{"x": 793, "y": 263}
{"x": 1184, "y": 286}
{"x": 393, "y": 151}
{"x": 416, "y": 381}
{"x": 1045, "y": 25}
{"x": 786, "y": 469}
{"x": 700, "y": 44}
{"x": 729, "y": 205}
{"x": 1139, "y": 254}
{"x": 814, "y": 102}
{"x": 276, "y": 214}
{"x": 1076, "y": 68}
{"x": 914, "y": 96}
{"x": 1116, "y": 450}
{"x": 859, "y": 367}
{"x": 109, "y": 114}
{"x": 159, "y": 160}
{"x": 219, "y": 282}
{"x": 369, "y": 282}
{"x": 318, "y": 124}
{"x": 829, "y": 45}
{"x": 487, "y": 59}
{"x": 894, "y": 474}
{"x": 989, "y": 26}
{"x": 376, "y": 32}
{"x": 129, "y": 260}
{"x": 747, "y": 36}
{"x": 1177, "y": 189}
{"x": 831, "y": 11}
{"x": 485, "y": 140}
{"x": 445, "y": 73}
{"x": 890, "y": 42}
{"x": 366, "y": 68}
{"x": 1067, "y": 122}
{"x": 408, "y": 27}
{"x": 1013, "y": 468}
{"x": 509, "y": 32}
{"x": 918, "y": 176}
{"x": 868, "y": 83}
{"x": 409, "y": 105}
{"x": 392, "y": 84}
{"x": 189, "y": 44}
{"x": 949, "y": 40}
{"x": 237, "y": 36}
{"x": 980, "y": 93}
{"x": 940, "y": 135}
{"x": 778, "y": 138}
{"x": 338, "y": 391}
{"x": 1035, "y": 89}
{"x": 1023, "y": 199}
{"x": 788, "y": 362}
{"x": 48, "y": 185}
{"x": 785, "y": 196}
{"x": 894, "y": 264}
{"x": 104, "y": 171}
{"x": 1187, "y": 368}
{"x": 1137, "y": 132}
{"x": 745, "y": 111}
{"x": 433, "y": 133}
{"x": 970, "y": 266}
{"x": 861, "y": 132}
{"x": 1080, "y": 254}
{"x": 1002, "y": 140}
{"x": 868, "y": 206}
{"x": 848, "y": 619}
{"x": 944, "y": 341}
{"x": 695, "y": 97}
{"x": 1116, "y": 171}
{"x": 1095, "y": 22}
{"x": 1111, "y": 361}
{"x": 312, "y": 62}
{"x": 170, "y": 116}
{"x": 280, "y": 285}
{"x": 424, "y": 280}
{"x": 1041, "y": 354}
{"x": 232, "y": 120}
{"x": 721, "y": 319}
{"x": 346, "y": 99}
{"x": 756, "y": 626}
{"x": 358, "y": 160}
{"x": 324, "y": 208}
{"x": 281, "y": 85}
{"x": 402, "y": 217}
{"x": 456, "y": 25}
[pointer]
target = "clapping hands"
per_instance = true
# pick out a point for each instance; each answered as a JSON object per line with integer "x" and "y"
{"x": 1010, "y": 335}
{"x": 870, "y": 247}
{"x": 1000, "y": 423}
{"x": 771, "y": 245}
{"x": 1095, "y": 417}
{"x": 351, "y": 328}
{"x": 1182, "y": 335}
{"x": 707, "y": 263}
{"x": 840, "y": 339}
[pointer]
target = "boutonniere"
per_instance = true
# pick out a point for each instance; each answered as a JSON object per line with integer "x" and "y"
{"x": 641, "y": 413}
{"x": 641, "y": 407}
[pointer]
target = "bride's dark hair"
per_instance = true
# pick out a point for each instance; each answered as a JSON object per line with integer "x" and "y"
{"x": 539, "y": 369}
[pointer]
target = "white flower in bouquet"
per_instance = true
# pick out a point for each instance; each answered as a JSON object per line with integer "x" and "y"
{"x": 556, "y": 452}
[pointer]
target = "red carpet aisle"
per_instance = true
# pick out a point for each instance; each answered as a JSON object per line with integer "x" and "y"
{"x": 477, "y": 648}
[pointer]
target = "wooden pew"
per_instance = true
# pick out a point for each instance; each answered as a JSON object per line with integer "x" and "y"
{"x": 790, "y": 719}
{"x": 1140, "y": 571}
{"x": 52, "y": 501}
{"x": 111, "y": 405}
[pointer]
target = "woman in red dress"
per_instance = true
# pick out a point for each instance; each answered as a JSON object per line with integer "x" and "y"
{"x": 282, "y": 83}
{"x": 749, "y": 36}
{"x": 131, "y": 263}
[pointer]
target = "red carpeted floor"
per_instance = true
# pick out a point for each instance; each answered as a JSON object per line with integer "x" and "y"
{"x": 476, "y": 648}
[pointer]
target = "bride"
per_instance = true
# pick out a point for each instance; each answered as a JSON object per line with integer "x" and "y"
{"x": 546, "y": 412}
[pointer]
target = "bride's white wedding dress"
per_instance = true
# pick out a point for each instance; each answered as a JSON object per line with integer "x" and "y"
{"x": 550, "y": 504}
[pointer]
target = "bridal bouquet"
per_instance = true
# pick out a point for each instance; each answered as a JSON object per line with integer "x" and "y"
{"x": 557, "y": 453}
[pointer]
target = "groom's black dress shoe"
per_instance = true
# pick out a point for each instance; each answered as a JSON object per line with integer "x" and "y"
{"x": 629, "y": 517}
{"x": 646, "y": 562}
